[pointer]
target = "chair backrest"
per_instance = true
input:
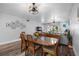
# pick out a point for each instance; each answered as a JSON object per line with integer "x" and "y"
{"x": 23, "y": 40}
{"x": 57, "y": 44}
{"x": 23, "y": 36}
{"x": 50, "y": 35}
{"x": 29, "y": 38}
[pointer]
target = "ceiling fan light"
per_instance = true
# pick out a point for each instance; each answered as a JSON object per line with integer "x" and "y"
{"x": 33, "y": 9}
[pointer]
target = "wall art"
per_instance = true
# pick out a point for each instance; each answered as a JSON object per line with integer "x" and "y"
{"x": 15, "y": 25}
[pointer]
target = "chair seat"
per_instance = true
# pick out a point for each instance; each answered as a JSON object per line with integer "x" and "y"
{"x": 53, "y": 52}
{"x": 32, "y": 48}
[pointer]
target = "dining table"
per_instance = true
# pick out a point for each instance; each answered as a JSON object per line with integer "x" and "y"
{"x": 43, "y": 42}
{"x": 49, "y": 42}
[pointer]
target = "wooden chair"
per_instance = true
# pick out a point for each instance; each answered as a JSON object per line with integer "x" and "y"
{"x": 31, "y": 47}
{"x": 23, "y": 41}
{"x": 53, "y": 51}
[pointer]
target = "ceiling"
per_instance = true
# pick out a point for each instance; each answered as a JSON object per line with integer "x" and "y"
{"x": 47, "y": 11}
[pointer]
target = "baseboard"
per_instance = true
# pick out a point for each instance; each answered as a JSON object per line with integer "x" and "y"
{"x": 2, "y": 43}
{"x": 75, "y": 51}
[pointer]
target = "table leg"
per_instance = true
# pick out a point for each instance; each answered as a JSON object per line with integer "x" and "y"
{"x": 42, "y": 52}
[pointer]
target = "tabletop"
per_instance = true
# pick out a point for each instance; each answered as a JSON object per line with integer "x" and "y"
{"x": 44, "y": 42}
{"x": 49, "y": 40}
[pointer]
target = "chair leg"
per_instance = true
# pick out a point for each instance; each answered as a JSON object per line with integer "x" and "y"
{"x": 25, "y": 53}
{"x": 57, "y": 51}
{"x": 42, "y": 52}
{"x": 33, "y": 53}
{"x": 67, "y": 49}
{"x": 21, "y": 48}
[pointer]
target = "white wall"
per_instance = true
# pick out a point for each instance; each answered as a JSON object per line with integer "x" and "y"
{"x": 8, "y": 34}
{"x": 74, "y": 27}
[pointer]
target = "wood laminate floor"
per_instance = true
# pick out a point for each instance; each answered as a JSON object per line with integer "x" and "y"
{"x": 13, "y": 49}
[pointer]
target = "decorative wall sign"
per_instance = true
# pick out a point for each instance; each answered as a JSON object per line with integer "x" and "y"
{"x": 15, "y": 25}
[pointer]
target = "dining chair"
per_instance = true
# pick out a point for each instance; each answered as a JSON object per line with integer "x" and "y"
{"x": 24, "y": 44}
{"x": 31, "y": 46}
{"x": 52, "y": 50}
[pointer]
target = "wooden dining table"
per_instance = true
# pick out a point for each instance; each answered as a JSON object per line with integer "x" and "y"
{"x": 43, "y": 43}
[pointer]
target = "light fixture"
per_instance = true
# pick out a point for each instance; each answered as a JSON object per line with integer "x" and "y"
{"x": 33, "y": 9}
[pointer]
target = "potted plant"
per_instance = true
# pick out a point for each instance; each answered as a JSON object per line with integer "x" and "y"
{"x": 36, "y": 34}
